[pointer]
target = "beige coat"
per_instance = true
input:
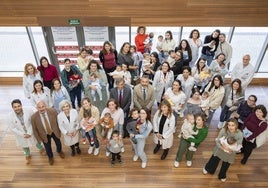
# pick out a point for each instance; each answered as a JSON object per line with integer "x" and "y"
{"x": 215, "y": 96}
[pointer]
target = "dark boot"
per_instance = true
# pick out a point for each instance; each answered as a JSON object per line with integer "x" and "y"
{"x": 72, "y": 152}
{"x": 78, "y": 150}
{"x": 157, "y": 147}
{"x": 164, "y": 155}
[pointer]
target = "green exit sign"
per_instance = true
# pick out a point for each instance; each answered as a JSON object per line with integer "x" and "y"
{"x": 74, "y": 22}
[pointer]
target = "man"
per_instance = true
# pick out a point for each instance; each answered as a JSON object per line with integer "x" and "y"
{"x": 245, "y": 108}
{"x": 243, "y": 71}
{"x": 225, "y": 48}
{"x": 45, "y": 127}
{"x": 143, "y": 94}
{"x": 20, "y": 124}
{"x": 71, "y": 79}
{"x": 122, "y": 95}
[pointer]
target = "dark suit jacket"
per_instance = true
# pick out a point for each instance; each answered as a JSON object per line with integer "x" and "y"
{"x": 38, "y": 128}
{"x": 126, "y": 97}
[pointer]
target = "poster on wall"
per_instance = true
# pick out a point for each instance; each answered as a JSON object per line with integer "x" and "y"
{"x": 64, "y": 33}
{"x": 96, "y": 34}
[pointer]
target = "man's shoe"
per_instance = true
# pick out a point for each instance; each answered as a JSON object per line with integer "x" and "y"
{"x": 42, "y": 152}
{"x": 51, "y": 161}
{"x": 157, "y": 147}
{"x": 28, "y": 160}
{"x": 164, "y": 155}
{"x": 62, "y": 155}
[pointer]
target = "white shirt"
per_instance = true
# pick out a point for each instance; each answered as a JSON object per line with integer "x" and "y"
{"x": 245, "y": 74}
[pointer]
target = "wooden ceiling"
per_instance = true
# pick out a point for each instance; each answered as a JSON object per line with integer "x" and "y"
{"x": 134, "y": 13}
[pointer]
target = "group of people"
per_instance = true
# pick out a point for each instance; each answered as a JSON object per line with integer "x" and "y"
{"x": 119, "y": 95}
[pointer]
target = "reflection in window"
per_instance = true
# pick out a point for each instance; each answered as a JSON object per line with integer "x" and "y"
{"x": 15, "y": 49}
{"x": 264, "y": 65}
{"x": 247, "y": 40}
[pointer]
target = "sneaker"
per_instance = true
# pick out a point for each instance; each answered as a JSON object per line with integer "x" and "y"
{"x": 223, "y": 179}
{"x": 107, "y": 153}
{"x": 96, "y": 151}
{"x": 28, "y": 160}
{"x": 84, "y": 141}
{"x": 220, "y": 125}
{"x": 192, "y": 148}
{"x": 205, "y": 171}
{"x": 176, "y": 164}
{"x": 62, "y": 155}
{"x": 189, "y": 163}
{"x": 90, "y": 150}
{"x": 112, "y": 163}
{"x": 122, "y": 149}
{"x": 143, "y": 165}
{"x": 120, "y": 161}
{"x": 135, "y": 157}
{"x": 181, "y": 114}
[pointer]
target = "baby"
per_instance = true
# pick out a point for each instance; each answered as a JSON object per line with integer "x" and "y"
{"x": 230, "y": 143}
{"x": 115, "y": 146}
{"x": 74, "y": 80}
{"x": 171, "y": 58}
{"x": 187, "y": 130}
{"x": 95, "y": 81}
{"x": 204, "y": 78}
{"x": 205, "y": 103}
{"x": 146, "y": 65}
{"x": 133, "y": 125}
{"x": 88, "y": 123}
{"x": 159, "y": 46}
{"x": 117, "y": 73}
{"x": 148, "y": 43}
{"x": 106, "y": 123}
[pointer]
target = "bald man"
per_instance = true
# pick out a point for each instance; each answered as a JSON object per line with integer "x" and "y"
{"x": 243, "y": 71}
{"x": 45, "y": 127}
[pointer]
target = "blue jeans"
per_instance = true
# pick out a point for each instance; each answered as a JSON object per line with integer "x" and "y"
{"x": 76, "y": 93}
{"x": 225, "y": 114}
{"x": 94, "y": 135}
{"x": 208, "y": 58}
{"x": 48, "y": 145}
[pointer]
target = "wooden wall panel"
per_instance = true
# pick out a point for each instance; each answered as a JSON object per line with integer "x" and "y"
{"x": 138, "y": 12}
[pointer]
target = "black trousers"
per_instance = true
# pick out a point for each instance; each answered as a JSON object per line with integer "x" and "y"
{"x": 117, "y": 155}
{"x": 48, "y": 145}
{"x": 212, "y": 165}
{"x": 247, "y": 148}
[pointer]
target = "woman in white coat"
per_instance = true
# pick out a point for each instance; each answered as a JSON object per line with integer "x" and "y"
{"x": 30, "y": 75}
{"x": 163, "y": 126}
{"x": 40, "y": 93}
{"x": 163, "y": 79}
{"x": 69, "y": 126}
{"x": 19, "y": 121}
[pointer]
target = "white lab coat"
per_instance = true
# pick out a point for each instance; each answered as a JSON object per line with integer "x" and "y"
{"x": 27, "y": 82}
{"x": 67, "y": 126}
{"x": 17, "y": 129}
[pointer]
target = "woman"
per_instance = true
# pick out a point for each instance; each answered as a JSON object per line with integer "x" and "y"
{"x": 193, "y": 103}
{"x": 58, "y": 93}
{"x": 145, "y": 127}
{"x": 201, "y": 74}
{"x": 94, "y": 67}
{"x": 216, "y": 92}
{"x": 69, "y": 126}
{"x": 217, "y": 66}
{"x": 184, "y": 46}
{"x": 83, "y": 59}
{"x": 118, "y": 116}
{"x": 222, "y": 151}
{"x": 154, "y": 65}
{"x": 195, "y": 43}
{"x": 40, "y": 93}
{"x": 177, "y": 67}
{"x": 234, "y": 94}
{"x": 94, "y": 111}
{"x": 108, "y": 58}
{"x": 48, "y": 72}
{"x": 162, "y": 81}
{"x": 187, "y": 81}
{"x": 176, "y": 97}
{"x": 164, "y": 127}
{"x": 253, "y": 126}
{"x": 168, "y": 44}
{"x": 140, "y": 38}
{"x": 30, "y": 75}
{"x": 198, "y": 139}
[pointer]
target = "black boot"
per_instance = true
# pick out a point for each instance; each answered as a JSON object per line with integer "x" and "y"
{"x": 157, "y": 147}
{"x": 72, "y": 152}
{"x": 164, "y": 155}
{"x": 78, "y": 150}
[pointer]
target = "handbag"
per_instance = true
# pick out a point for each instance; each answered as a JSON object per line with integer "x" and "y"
{"x": 263, "y": 137}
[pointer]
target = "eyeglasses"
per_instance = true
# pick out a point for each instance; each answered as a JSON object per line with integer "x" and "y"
{"x": 252, "y": 100}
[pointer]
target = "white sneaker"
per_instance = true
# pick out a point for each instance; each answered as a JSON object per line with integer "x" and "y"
{"x": 176, "y": 164}
{"x": 96, "y": 151}
{"x": 107, "y": 153}
{"x": 205, "y": 171}
{"x": 181, "y": 114}
{"x": 220, "y": 125}
{"x": 189, "y": 163}
{"x": 143, "y": 165}
{"x": 135, "y": 157}
{"x": 223, "y": 179}
{"x": 122, "y": 149}
{"x": 90, "y": 150}
{"x": 192, "y": 148}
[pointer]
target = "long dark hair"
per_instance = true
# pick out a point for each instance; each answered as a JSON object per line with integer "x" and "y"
{"x": 42, "y": 70}
{"x": 212, "y": 82}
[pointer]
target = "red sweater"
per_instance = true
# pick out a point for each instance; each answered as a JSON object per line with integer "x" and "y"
{"x": 50, "y": 72}
{"x": 252, "y": 124}
{"x": 139, "y": 39}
